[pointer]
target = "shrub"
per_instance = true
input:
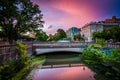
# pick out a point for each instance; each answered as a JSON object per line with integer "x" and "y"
{"x": 24, "y": 57}
{"x": 97, "y": 54}
{"x": 9, "y": 68}
{"x": 93, "y": 54}
{"x": 101, "y": 42}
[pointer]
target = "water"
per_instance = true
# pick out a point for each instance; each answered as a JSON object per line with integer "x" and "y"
{"x": 65, "y": 73}
{"x": 65, "y": 66}
{"x": 68, "y": 66}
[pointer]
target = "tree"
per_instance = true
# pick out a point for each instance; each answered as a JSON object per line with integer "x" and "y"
{"x": 107, "y": 34}
{"x": 50, "y": 37}
{"x": 41, "y": 36}
{"x": 115, "y": 33}
{"x": 96, "y": 35}
{"x": 78, "y": 37}
{"x": 60, "y": 34}
{"x": 18, "y": 17}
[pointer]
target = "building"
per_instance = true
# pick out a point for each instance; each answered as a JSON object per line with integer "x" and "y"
{"x": 113, "y": 20}
{"x": 71, "y": 32}
{"x": 88, "y": 29}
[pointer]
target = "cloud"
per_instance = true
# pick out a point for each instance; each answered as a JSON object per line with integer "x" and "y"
{"x": 68, "y": 13}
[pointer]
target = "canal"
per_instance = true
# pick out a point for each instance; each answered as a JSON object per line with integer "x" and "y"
{"x": 69, "y": 66}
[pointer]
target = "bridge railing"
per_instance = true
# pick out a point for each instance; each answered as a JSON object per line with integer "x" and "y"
{"x": 113, "y": 45}
{"x": 60, "y": 44}
{"x": 70, "y": 44}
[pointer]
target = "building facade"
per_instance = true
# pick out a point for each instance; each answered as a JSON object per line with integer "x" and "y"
{"x": 88, "y": 29}
{"x": 72, "y": 32}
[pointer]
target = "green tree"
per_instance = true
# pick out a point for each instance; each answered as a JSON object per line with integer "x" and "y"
{"x": 101, "y": 42}
{"x": 78, "y": 37}
{"x": 50, "y": 37}
{"x": 60, "y": 34}
{"x": 107, "y": 34}
{"x": 18, "y": 17}
{"x": 41, "y": 36}
{"x": 96, "y": 35}
{"x": 115, "y": 33}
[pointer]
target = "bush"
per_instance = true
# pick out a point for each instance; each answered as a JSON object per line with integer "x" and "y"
{"x": 93, "y": 54}
{"x": 9, "y": 68}
{"x": 97, "y": 54}
{"x": 101, "y": 42}
{"x": 114, "y": 56}
{"x": 24, "y": 57}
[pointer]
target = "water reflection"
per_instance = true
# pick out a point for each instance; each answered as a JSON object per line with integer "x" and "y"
{"x": 65, "y": 73}
{"x": 64, "y": 67}
{"x": 67, "y": 66}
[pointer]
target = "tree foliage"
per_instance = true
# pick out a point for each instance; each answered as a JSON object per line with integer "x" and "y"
{"x": 50, "y": 37}
{"x": 60, "y": 34}
{"x": 78, "y": 37}
{"x": 100, "y": 55}
{"x": 115, "y": 33}
{"x": 107, "y": 34}
{"x": 41, "y": 36}
{"x": 18, "y": 17}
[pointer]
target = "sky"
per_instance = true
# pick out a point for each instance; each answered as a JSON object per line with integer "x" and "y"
{"x": 65, "y": 14}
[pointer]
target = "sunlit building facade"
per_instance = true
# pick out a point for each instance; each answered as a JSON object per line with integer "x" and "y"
{"x": 88, "y": 29}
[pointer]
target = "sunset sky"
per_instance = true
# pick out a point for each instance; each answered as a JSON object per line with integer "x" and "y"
{"x": 75, "y": 13}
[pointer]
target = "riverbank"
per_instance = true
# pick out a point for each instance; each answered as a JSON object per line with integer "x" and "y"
{"x": 24, "y": 74}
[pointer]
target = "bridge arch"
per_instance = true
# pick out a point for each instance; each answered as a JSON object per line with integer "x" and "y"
{"x": 52, "y": 50}
{"x": 60, "y": 53}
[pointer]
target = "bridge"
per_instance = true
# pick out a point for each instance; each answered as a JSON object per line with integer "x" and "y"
{"x": 45, "y": 47}
{"x": 47, "y": 50}
{"x": 8, "y": 51}
{"x": 42, "y": 48}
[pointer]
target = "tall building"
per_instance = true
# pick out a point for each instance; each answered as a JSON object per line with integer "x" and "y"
{"x": 88, "y": 29}
{"x": 71, "y": 32}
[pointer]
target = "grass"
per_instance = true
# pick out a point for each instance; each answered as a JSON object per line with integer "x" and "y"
{"x": 39, "y": 60}
{"x": 34, "y": 62}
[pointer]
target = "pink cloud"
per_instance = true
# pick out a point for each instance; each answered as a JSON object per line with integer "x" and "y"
{"x": 69, "y": 13}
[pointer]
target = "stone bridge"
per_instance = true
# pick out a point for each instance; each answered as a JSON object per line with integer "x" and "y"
{"x": 45, "y": 47}
{"x": 42, "y": 48}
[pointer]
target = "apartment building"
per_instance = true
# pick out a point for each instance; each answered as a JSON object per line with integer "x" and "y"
{"x": 88, "y": 29}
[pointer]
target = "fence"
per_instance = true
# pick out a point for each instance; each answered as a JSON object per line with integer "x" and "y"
{"x": 113, "y": 45}
{"x": 8, "y": 51}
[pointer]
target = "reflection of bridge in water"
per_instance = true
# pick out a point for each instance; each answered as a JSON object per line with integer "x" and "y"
{"x": 62, "y": 65}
